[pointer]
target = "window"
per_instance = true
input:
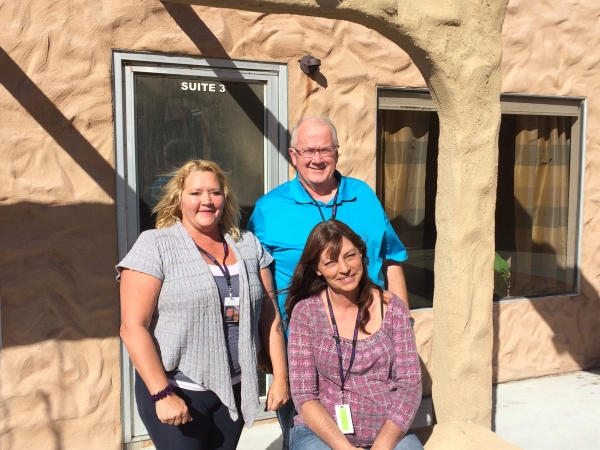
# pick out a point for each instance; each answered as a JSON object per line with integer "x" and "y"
{"x": 170, "y": 109}
{"x": 538, "y": 199}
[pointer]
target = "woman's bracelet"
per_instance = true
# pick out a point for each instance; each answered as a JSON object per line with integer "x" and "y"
{"x": 162, "y": 394}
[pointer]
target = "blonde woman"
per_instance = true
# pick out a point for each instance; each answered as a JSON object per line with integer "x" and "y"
{"x": 192, "y": 304}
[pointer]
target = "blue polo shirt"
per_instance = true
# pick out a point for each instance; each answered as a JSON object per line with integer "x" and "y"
{"x": 284, "y": 217}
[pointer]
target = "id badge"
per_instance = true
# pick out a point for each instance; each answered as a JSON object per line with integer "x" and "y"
{"x": 344, "y": 418}
{"x": 231, "y": 309}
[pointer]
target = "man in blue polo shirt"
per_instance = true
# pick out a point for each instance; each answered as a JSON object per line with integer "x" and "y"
{"x": 283, "y": 218}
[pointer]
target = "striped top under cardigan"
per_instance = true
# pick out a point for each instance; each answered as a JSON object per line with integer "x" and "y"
{"x": 187, "y": 324}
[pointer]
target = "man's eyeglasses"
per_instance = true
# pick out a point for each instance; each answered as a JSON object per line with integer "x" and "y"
{"x": 310, "y": 152}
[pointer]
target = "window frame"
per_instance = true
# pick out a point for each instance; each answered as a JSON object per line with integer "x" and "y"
{"x": 125, "y": 64}
{"x": 419, "y": 99}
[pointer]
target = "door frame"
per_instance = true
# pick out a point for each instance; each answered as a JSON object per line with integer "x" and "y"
{"x": 125, "y": 64}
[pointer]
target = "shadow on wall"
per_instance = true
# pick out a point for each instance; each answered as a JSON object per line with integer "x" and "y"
{"x": 59, "y": 304}
{"x": 203, "y": 38}
{"x": 573, "y": 323}
{"x": 57, "y": 262}
{"x": 50, "y": 389}
{"x": 208, "y": 44}
{"x": 565, "y": 339}
{"x": 58, "y": 276}
{"x": 58, "y": 291}
{"x": 41, "y": 108}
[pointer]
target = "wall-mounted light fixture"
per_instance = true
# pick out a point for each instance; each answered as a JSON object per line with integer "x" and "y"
{"x": 309, "y": 64}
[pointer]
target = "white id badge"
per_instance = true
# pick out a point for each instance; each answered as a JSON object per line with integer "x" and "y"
{"x": 231, "y": 309}
{"x": 344, "y": 418}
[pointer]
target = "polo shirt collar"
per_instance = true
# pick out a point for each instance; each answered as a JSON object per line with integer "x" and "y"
{"x": 300, "y": 195}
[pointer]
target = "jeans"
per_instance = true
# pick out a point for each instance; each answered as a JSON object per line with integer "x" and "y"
{"x": 286, "y": 415}
{"x": 302, "y": 438}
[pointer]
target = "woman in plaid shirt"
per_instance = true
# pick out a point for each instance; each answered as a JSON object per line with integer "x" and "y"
{"x": 354, "y": 370}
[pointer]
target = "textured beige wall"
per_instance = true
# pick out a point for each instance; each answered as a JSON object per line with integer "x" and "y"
{"x": 59, "y": 370}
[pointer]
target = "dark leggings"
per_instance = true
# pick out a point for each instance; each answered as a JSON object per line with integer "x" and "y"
{"x": 211, "y": 429}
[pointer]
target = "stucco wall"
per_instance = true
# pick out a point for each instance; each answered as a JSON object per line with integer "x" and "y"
{"x": 59, "y": 374}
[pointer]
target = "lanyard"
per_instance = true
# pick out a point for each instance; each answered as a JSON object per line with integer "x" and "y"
{"x": 223, "y": 268}
{"x": 336, "y": 336}
{"x": 314, "y": 202}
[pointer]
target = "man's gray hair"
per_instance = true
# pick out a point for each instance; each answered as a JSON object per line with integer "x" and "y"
{"x": 324, "y": 120}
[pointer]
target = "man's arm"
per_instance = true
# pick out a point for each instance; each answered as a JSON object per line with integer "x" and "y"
{"x": 395, "y": 282}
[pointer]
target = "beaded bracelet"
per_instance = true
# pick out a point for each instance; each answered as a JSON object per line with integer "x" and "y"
{"x": 162, "y": 394}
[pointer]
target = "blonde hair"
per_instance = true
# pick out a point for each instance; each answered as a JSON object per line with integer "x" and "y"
{"x": 168, "y": 209}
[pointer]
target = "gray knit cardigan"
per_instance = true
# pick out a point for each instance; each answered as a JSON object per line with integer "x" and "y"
{"x": 187, "y": 324}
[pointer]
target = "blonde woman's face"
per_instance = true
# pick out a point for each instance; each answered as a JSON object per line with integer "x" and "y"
{"x": 202, "y": 202}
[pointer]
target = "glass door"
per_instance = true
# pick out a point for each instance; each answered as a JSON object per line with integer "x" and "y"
{"x": 169, "y": 110}
{"x": 177, "y": 119}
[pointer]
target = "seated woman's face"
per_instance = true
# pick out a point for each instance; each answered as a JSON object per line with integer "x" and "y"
{"x": 344, "y": 273}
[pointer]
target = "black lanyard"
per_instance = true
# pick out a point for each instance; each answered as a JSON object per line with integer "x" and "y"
{"x": 336, "y": 336}
{"x": 314, "y": 202}
{"x": 223, "y": 268}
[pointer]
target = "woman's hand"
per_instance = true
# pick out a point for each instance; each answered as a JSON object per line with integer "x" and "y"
{"x": 278, "y": 395}
{"x": 172, "y": 410}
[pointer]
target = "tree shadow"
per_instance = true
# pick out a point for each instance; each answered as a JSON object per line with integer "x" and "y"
{"x": 209, "y": 45}
{"x": 276, "y": 444}
{"x": 55, "y": 399}
{"x": 57, "y": 261}
{"x": 59, "y": 127}
{"x": 58, "y": 278}
{"x": 56, "y": 270}
{"x": 573, "y": 321}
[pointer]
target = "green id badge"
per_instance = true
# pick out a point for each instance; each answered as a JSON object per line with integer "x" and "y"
{"x": 344, "y": 418}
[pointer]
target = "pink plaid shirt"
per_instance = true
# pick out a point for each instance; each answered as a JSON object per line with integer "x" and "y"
{"x": 385, "y": 379}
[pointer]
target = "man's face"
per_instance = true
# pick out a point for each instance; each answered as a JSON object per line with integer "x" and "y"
{"x": 318, "y": 170}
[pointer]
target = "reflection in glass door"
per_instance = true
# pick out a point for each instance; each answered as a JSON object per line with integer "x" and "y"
{"x": 169, "y": 110}
{"x": 178, "y": 119}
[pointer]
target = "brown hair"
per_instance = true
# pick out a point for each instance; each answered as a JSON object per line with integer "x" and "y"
{"x": 168, "y": 209}
{"x": 305, "y": 281}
